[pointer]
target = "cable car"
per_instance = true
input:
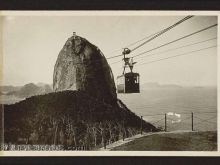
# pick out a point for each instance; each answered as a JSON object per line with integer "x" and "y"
{"x": 128, "y": 82}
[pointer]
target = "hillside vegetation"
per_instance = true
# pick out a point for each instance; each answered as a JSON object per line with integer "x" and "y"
{"x": 69, "y": 118}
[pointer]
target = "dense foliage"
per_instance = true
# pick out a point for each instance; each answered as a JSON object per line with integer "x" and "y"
{"x": 69, "y": 118}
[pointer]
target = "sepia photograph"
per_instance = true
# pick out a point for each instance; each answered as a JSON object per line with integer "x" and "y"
{"x": 109, "y": 82}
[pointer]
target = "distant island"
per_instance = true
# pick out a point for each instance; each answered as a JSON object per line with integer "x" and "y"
{"x": 156, "y": 85}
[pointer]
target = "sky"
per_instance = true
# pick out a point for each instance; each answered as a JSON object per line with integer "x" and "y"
{"x": 31, "y": 45}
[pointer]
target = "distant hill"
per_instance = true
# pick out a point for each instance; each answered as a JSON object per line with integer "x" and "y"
{"x": 69, "y": 118}
{"x": 9, "y": 88}
{"x": 155, "y": 85}
{"x": 27, "y": 90}
{"x": 40, "y": 84}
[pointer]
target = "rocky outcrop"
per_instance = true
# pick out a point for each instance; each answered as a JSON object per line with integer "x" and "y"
{"x": 81, "y": 66}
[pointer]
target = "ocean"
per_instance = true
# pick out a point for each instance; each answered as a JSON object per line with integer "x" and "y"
{"x": 178, "y": 104}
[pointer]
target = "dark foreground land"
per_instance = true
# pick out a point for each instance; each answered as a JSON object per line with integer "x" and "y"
{"x": 181, "y": 141}
{"x": 71, "y": 119}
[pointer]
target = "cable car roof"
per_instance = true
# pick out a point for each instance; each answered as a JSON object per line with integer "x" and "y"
{"x": 128, "y": 74}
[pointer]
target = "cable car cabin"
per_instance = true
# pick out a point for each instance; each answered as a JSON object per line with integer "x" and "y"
{"x": 128, "y": 83}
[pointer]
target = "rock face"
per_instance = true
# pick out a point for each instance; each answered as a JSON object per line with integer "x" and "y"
{"x": 81, "y": 66}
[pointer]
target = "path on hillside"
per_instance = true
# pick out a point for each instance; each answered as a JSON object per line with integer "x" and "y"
{"x": 127, "y": 140}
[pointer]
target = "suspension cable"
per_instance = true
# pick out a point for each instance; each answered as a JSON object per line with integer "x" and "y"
{"x": 168, "y": 43}
{"x": 187, "y": 45}
{"x": 187, "y": 53}
{"x": 155, "y": 35}
{"x": 163, "y": 31}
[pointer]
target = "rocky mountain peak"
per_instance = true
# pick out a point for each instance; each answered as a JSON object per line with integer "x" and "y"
{"x": 81, "y": 66}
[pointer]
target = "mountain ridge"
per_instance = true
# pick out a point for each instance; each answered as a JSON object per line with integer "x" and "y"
{"x": 27, "y": 90}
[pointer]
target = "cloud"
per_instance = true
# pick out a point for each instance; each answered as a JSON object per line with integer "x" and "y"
{"x": 175, "y": 117}
{"x": 175, "y": 121}
{"x": 170, "y": 113}
{"x": 174, "y": 114}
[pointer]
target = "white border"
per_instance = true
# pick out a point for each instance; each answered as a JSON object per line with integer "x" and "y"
{"x": 118, "y": 153}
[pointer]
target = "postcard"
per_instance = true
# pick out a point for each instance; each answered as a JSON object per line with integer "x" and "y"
{"x": 109, "y": 83}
